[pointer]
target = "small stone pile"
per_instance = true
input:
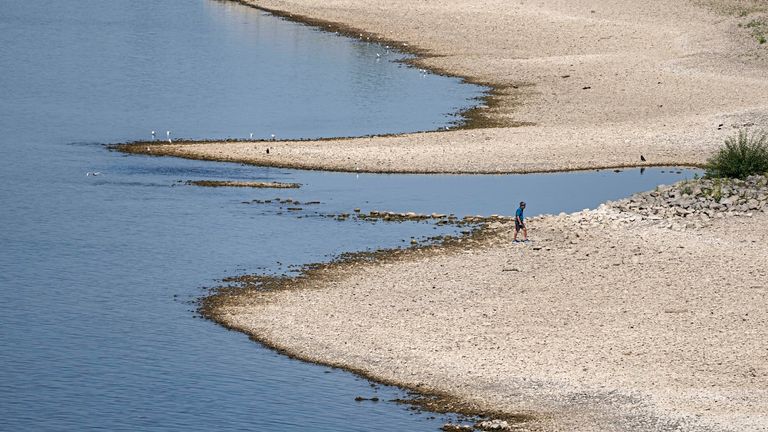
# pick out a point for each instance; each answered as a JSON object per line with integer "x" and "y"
{"x": 483, "y": 425}
{"x": 493, "y": 425}
{"x": 708, "y": 198}
{"x": 686, "y": 204}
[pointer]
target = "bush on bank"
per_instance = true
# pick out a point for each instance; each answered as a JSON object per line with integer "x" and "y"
{"x": 742, "y": 156}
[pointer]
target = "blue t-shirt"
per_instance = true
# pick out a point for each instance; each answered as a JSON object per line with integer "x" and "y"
{"x": 519, "y": 214}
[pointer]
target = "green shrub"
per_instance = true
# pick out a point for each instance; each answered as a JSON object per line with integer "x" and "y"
{"x": 742, "y": 156}
{"x": 717, "y": 192}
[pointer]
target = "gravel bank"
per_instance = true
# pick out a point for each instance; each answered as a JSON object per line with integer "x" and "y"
{"x": 611, "y": 319}
{"x": 596, "y": 82}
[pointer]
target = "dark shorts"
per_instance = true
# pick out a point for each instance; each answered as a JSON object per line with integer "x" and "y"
{"x": 519, "y": 226}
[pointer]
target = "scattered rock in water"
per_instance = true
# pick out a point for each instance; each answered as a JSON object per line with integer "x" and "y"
{"x": 362, "y": 399}
{"x": 247, "y": 184}
{"x": 451, "y": 427}
{"x": 439, "y": 219}
{"x": 493, "y": 425}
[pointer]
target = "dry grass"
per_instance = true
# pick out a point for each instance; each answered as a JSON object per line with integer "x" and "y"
{"x": 752, "y": 14}
{"x": 741, "y": 8}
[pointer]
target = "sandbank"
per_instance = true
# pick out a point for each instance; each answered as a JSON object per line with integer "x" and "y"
{"x": 595, "y": 326}
{"x": 576, "y": 84}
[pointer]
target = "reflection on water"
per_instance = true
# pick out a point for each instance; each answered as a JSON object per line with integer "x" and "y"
{"x": 98, "y": 273}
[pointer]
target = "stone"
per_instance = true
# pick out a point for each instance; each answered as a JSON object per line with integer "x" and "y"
{"x": 450, "y": 427}
{"x": 491, "y": 425}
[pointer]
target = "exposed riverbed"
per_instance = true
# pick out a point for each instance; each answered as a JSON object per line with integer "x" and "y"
{"x": 104, "y": 254}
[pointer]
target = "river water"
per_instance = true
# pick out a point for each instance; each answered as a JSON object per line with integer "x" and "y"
{"x": 99, "y": 274}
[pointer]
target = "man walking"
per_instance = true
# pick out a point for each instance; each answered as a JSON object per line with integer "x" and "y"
{"x": 520, "y": 222}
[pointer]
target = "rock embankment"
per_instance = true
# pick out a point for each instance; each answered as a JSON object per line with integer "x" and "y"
{"x": 690, "y": 204}
{"x": 701, "y": 198}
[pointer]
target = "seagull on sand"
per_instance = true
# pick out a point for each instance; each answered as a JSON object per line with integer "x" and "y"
{"x": 153, "y": 135}
{"x": 168, "y": 134}
{"x": 251, "y": 135}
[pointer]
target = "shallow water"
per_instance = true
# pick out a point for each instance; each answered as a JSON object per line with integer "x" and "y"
{"x": 98, "y": 273}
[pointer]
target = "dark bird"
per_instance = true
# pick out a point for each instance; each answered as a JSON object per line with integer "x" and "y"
{"x": 642, "y": 158}
{"x": 267, "y": 151}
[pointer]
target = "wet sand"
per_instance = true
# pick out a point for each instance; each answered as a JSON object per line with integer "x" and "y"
{"x": 594, "y": 84}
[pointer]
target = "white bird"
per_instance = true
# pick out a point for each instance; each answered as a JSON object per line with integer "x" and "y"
{"x": 153, "y": 135}
{"x": 90, "y": 173}
{"x": 251, "y": 135}
{"x": 168, "y": 134}
{"x": 273, "y": 137}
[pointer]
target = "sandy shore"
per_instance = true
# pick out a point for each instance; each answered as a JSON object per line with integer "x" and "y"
{"x": 597, "y": 83}
{"x": 595, "y": 326}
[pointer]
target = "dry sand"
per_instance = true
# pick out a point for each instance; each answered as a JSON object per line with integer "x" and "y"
{"x": 598, "y": 83}
{"x": 591, "y": 327}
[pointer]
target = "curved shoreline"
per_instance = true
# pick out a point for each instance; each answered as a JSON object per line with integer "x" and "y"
{"x": 607, "y": 142}
{"x": 594, "y": 85}
{"x": 215, "y": 306}
{"x": 561, "y": 353}
{"x": 472, "y": 118}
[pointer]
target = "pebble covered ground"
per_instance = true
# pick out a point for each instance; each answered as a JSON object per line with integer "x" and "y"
{"x": 632, "y": 316}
